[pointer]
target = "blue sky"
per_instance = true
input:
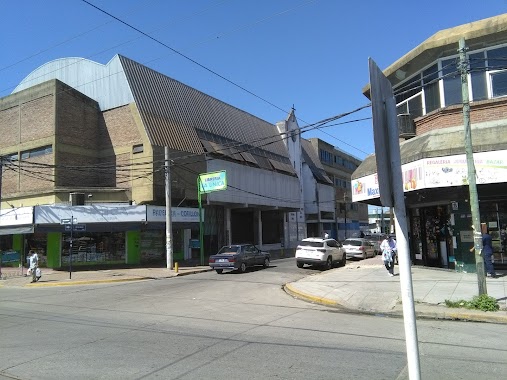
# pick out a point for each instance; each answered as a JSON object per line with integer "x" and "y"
{"x": 312, "y": 54}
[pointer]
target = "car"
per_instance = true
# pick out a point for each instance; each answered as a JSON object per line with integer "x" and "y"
{"x": 238, "y": 257}
{"x": 375, "y": 239}
{"x": 358, "y": 248}
{"x": 321, "y": 252}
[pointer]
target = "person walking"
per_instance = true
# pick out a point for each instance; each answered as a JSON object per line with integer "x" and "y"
{"x": 388, "y": 248}
{"x": 487, "y": 253}
{"x": 34, "y": 265}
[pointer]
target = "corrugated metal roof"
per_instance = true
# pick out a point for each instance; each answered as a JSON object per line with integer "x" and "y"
{"x": 173, "y": 113}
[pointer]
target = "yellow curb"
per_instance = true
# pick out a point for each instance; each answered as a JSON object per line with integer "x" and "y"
{"x": 325, "y": 301}
{"x": 82, "y": 282}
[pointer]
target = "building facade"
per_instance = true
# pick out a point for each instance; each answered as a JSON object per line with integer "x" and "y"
{"x": 77, "y": 129}
{"x": 427, "y": 87}
{"x": 351, "y": 217}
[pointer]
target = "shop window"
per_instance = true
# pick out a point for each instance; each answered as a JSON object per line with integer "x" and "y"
{"x": 452, "y": 82}
{"x": 431, "y": 90}
{"x": 478, "y": 76}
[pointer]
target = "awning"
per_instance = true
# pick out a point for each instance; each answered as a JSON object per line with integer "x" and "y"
{"x": 16, "y": 230}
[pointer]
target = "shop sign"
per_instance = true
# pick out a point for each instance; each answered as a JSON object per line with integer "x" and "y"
{"x": 435, "y": 172}
{"x": 214, "y": 181}
{"x": 178, "y": 214}
{"x": 54, "y": 214}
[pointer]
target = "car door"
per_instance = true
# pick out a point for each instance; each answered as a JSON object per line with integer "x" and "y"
{"x": 249, "y": 255}
{"x": 333, "y": 246}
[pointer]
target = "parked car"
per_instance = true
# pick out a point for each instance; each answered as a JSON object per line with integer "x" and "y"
{"x": 238, "y": 257}
{"x": 375, "y": 239}
{"x": 358, "y": 248}
{"x": 318, "y": 251}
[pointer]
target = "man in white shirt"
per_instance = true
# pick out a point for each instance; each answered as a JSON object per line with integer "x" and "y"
{"x": 388, "y": 248}
{"x": 34, "y": 264}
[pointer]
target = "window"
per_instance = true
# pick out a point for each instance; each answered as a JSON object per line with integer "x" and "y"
{"x": 11, "y": 157}
{"x": 452, "y": 82}
{"x": 138, "y": 149}
{"x": 36, "y": 152}
{"x": 431, "y": 90}
{"x": 325, "y": 156}
{"x": 478, "y": 76}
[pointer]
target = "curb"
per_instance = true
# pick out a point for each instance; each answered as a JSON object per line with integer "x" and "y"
{"x": 437, "y": 313}
{"x": 82, "y": 282}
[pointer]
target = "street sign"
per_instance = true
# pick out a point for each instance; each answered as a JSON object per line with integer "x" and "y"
{"x": 68, "y": 221}
{"x": 75, "y": 227}
{"x": 214, "y": 181}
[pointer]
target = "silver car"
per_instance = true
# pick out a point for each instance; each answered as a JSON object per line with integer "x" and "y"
{"x": 318, "y": 251}
{"x": 358, "y": 248}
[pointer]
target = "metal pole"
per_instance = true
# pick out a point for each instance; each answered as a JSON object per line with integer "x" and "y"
{"x": 407, "y": 293}
{"x": 345, "y": 204}
{"x": 201, "y": 231}
{"x": 472, "y": 185}
{"x": 71, "y": 239}
{"x": 168, "y": 224}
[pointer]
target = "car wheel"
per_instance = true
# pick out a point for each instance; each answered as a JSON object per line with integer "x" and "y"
{"x": 329, "y": 263}
{"x": 343, "y": 261}
{"x": 266, "y": 262}
{"x": 219, "y": 271}
{"x": 242, "y": 268}
{"x": 300, "y": 264}
{"x": 365, "y": 255}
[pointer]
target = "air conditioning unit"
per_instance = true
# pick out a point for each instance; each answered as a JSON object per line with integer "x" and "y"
{"x": 406, "y": 126}
{"x": 77, "y": 199}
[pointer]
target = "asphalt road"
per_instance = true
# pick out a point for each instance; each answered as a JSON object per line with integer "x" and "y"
{"x": 236, "y": 326}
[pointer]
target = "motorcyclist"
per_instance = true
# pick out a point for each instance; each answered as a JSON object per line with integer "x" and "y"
{"x": 388, "y": 248}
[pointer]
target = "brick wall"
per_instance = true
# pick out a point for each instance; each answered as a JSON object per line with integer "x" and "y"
{"x": 483, "y": 111}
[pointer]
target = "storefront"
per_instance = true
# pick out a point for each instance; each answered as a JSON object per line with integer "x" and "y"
{"x": 438, "y": 208}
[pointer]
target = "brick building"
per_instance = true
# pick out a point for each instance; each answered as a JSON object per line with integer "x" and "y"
{"x": 427, "y": 87}
{"x": 74, "y": 129}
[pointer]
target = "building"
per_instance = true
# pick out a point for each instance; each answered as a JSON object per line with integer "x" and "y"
{"x": 427, "y": 87}
{"x": 82, "y": 138}
{"x": 351, "y": 217}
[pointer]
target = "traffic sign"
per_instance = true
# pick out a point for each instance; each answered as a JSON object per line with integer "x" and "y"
{"x": 75, "y": 227}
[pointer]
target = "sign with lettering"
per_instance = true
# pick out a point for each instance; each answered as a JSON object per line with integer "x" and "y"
{"x": 214, "y": 181}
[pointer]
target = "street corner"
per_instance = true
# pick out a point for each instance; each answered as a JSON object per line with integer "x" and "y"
{"x": 292, "y": 289}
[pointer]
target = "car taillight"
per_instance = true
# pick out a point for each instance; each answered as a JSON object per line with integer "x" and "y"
{"x": 361, "y": 248}
{"x": 211, "y": 260}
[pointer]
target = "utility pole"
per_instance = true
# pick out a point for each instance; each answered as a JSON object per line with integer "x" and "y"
{"x": 472, "y": 185}
{"x": 345, "y": 204}
{"x": 168, "y": 225}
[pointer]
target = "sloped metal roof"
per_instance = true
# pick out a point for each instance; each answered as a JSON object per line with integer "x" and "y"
{"x": 173, "y": 113}
{"x": 313, "y": 162}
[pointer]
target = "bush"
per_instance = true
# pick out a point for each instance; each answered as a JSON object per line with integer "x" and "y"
{"x": 482, "y": 302}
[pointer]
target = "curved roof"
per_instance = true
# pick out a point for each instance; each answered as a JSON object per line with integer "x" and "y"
{"x": 106, "y": 84}
{"x": 478, "y": 34}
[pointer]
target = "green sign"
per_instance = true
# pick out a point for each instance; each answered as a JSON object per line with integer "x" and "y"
{"x": 214, "y": 181}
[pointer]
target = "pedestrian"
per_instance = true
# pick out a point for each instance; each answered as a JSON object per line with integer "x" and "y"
{"x": 34, "y": 265}
{"x": 487, "y": 253}
{"x": 388, "y": 248}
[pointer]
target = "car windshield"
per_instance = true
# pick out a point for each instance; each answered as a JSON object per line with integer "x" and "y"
{"x": 355, "y": 243}
{"x": 229, "y": 250}
{"x": 316, "y": 244}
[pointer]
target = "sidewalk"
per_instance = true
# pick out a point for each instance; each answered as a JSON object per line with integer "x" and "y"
{"x": 361, "y": 286}
{"x": 11, "y": 277}
{"x": 368, "y": 288}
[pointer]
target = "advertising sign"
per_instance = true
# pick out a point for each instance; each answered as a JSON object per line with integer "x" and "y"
{"x": 214, "y": 181}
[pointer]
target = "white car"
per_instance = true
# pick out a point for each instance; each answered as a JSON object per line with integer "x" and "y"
{"x": 359, "y": 248}
{"x": 318, "y": 251}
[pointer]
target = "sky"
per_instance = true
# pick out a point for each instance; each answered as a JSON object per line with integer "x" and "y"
{"x": 275, "y": 54}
